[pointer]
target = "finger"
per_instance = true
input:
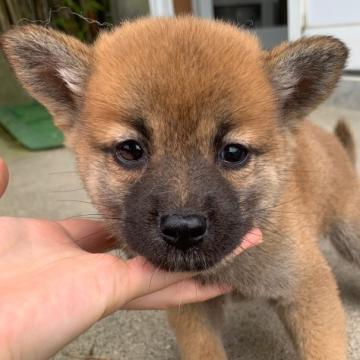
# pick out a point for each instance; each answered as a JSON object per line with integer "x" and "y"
{"x": 145, "y": 278}
{"x": 90, "y": 235}
{"x": 4, "y": 176}
{"x": 184, "y": 292}
{"x": 252, "y": 238}
{"x": 136, "y": 279}
{"x": 140, "y": 278}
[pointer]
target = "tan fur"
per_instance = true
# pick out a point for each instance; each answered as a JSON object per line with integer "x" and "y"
{"x": 184, "y": 77}
{"x": 199, "y": 324}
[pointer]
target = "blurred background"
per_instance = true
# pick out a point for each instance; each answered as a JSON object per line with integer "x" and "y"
{"x": 44, "y": 181}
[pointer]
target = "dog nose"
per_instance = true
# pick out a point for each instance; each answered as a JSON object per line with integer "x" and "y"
{"x": 183, "y": 231}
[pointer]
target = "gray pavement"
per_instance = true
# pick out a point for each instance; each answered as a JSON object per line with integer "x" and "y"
{"x": 45, "y": 184}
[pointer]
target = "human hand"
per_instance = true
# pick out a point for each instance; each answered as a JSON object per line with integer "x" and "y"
{"x": 55, "y": 282}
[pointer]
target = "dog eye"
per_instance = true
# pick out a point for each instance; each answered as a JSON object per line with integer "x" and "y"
{"x": 128, "y": 151}
{"x": 234, "y": 154}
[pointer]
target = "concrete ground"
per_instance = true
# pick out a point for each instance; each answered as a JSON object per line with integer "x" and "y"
{"x": 45, "y": 184}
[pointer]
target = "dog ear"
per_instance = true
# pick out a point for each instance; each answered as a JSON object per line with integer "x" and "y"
{"x": 305, "y": 72}
{"x": 52, "y": 66}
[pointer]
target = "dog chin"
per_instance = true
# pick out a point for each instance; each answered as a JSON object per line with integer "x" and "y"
{"x": 184, "y": 261}
{"x": 189, "y": 260}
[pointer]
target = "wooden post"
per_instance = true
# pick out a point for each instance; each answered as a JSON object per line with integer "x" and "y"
{"x": 182, "y": 7}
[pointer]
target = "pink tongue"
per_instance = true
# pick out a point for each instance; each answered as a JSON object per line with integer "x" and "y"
{"x": 252, "y": 238}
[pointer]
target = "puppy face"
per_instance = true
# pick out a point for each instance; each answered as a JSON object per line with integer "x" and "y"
{"x": 184, "y": 204}
{"x": 181, "y": 127}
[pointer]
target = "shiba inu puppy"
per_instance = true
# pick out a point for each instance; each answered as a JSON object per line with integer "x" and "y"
{"x": 188, "y": 136}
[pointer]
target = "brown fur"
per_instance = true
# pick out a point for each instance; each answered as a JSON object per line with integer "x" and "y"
{"x": 183, "y": 82}
{"x": 343, "y": 133}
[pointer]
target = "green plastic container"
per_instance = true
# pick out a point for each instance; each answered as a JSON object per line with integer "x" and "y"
{"x": 31, "y": 125}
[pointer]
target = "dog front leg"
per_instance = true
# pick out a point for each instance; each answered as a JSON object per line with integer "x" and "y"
{"x": 197, "y": 330}
{"x": 315, "y": 317}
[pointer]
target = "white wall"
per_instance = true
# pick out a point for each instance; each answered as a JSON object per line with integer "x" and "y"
{"x": 332, "y": 12}
{"x": 339, "y": 18}
{"x": 161, "y": 7}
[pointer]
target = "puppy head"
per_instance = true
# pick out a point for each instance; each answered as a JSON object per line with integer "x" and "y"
{"x": 181, "y": 127}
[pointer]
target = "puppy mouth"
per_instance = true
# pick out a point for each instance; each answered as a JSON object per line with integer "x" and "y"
{"x": 201, "y": 257}
{"x": 181, "y": 260}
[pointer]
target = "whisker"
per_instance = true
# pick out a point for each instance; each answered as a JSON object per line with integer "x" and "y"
{"x": 73, "y": 200}
{"x": 62, "y": 172}
{"x": 66, "y": 191}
